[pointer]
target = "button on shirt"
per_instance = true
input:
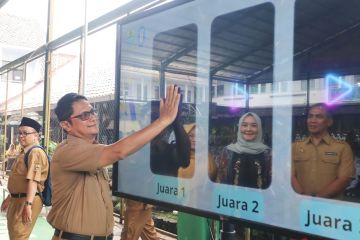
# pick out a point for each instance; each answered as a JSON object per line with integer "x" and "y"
{"x": 37, "y": 170}
{"x": 316, "y": 166}
{"x": 81, "y": 195}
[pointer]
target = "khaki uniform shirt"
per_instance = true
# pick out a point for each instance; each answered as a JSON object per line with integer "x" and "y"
{"x": 37, "y": 170}
{"x": 81, "y": 194}
{"x": 315, "y": 167}
{"x": 137, "y": 206}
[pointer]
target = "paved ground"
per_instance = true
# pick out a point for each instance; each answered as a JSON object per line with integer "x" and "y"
{"x": 42, "y": 229}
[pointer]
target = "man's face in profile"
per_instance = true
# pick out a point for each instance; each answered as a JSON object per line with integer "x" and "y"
{"x": 317, "y": 121}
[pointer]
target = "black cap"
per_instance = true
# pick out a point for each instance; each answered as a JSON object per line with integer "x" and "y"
{"x": 30, "y": 123}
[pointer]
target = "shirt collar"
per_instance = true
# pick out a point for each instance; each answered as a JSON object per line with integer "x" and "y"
{"x": 326, "y": 139}
{"x": 72, "y": 138}
{"x": 28, "y": 147}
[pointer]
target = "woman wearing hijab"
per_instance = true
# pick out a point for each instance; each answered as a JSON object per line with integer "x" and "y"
{"x": 248, "y": 160}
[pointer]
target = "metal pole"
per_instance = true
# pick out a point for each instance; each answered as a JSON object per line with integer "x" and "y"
{"x": 47, "y": 78}
{"x": 247, "y": 233}
{"x": 162, "y": 80}
{"x": 308, "y": 75}
{"x": 23, "y": 89}
{"x": 5, "y": 120}
{"x": 247, "y": 96}
{"x": 81, "y": 88}
{"x": 227, "y": 231}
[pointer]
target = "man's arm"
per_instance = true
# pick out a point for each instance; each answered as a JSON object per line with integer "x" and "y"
{"x": 294, "y": 181}
{"x": 5, "y": 204}
{"x": 346, "y": 172}
{"x": 182, "y": 145}
{"x": 126, "y": 146}
{"x": 296, "y": 185}
{"x": 334, "y": 188}
{"x": 30, "y": 195}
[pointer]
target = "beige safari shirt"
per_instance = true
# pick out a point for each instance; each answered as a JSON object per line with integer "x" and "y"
{"x": 317, "y": 166}
{"x": 81, "y": 194}
{"x": 37, "y": 170}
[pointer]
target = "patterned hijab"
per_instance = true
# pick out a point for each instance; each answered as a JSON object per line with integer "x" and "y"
{"x": 252, "y": 147}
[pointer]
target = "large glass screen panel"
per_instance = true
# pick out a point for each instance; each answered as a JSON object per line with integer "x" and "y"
{"x": 326, "y": 129}
{"x": 156, "y": 53}
{"x": 241, "y": 96}
{"x": 326, "y": 63}
{"x": 151, "y": 61}
{"x": 175, "y": 56}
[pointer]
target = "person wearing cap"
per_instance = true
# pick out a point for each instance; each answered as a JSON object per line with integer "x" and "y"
{"x": 81, "y": 198}
{"x": 24, "y": 204}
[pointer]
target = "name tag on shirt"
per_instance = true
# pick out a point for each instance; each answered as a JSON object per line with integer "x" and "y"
{"x": 331, "y": 153}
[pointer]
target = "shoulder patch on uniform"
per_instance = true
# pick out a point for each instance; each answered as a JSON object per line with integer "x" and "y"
{"x": 340, "y": 141}
{"x": 37, "y": 168}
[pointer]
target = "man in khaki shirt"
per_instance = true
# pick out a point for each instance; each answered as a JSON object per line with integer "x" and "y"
{"x": 321, "y": 165}
{"x": 138, "y": 222}
{"x": 82, "y": 206}
{"x": 24, "y": 204}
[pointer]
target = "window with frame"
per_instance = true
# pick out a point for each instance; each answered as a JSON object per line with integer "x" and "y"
{"x": 15, "y": 75}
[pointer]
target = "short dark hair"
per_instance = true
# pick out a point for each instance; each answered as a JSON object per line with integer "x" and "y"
{"x": 64, "y": 108}
{"x": 328, "y": 111}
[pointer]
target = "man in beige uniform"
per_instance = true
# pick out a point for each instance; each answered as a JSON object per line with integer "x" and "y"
{"x": 138, "y": 222}
{"x": 82, "y": 206}
{"x": 322, "y": 166}
{"x": 24, "y": 204}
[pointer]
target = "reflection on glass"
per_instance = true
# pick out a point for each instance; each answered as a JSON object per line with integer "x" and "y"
{"x": 242, "y": 80}
{"x": 174, "y": 57}
{"x": 246, "y": 162}
{"x": 323, "y": 166}
{"x": 188, "y": 172}
{"x": 166, "y": 157}
{"x": 326, "y": 70}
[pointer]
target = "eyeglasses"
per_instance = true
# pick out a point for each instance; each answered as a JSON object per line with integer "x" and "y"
{"x": 84, "y": 116}
{"x": 25, "y": 133}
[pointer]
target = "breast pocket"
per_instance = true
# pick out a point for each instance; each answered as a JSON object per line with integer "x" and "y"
{"x": 330, "y": 165}
{"x": 301, "y": 164}
{"x": 19, "y": 167}
{"x": 331, "y": 159}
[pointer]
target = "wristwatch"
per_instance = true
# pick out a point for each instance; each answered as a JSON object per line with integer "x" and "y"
{"x": 27, "y": 203}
